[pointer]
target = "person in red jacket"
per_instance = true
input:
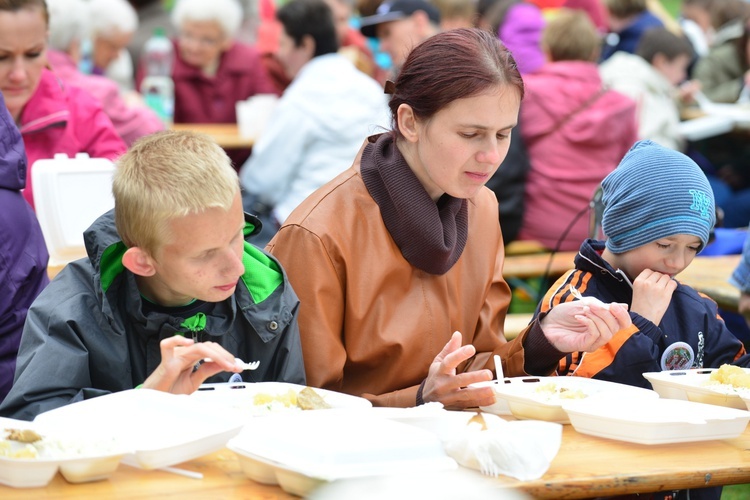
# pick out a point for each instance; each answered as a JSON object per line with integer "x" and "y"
{"x": 52, "y": 117}
{"x": 212, "y": 71}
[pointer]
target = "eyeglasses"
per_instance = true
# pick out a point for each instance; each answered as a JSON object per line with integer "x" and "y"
{"x": 200, "y": 40}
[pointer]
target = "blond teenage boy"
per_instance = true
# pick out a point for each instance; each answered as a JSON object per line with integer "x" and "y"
{"x": 169, "y": 280}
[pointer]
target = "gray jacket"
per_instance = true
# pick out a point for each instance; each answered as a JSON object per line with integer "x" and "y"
{"x": 86, "y": 334}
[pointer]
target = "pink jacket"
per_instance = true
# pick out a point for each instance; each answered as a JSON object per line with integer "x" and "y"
{"x": 64, "y": 119}
{"x": 131, "y": 122}
{"x": 569, "y": 162}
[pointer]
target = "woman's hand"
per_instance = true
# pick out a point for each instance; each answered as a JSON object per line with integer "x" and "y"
{"x": 179, "y": 356}
{"x": 584, "y": 325}
{"x": 652, "y": 294}
{"x": 451, "y": 389}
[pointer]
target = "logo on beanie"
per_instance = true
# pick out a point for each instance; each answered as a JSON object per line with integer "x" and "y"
{"x": 701, "y": 203}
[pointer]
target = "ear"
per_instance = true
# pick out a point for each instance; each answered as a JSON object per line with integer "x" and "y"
{"x": 408, "y": 124}
{"x": 138, "y": 261}
{"x": 659, "y": 61}
{"x": 421, "y": 22}
{"x": 308, "y": 44}
{"x": 74, "y": 50}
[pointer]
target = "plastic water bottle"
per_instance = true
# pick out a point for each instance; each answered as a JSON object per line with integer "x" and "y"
{"x": 157, "y": 87}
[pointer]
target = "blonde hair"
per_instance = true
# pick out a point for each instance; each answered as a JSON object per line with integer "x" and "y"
{"x": 571, "y": 36}
{"x": 167, "y": 175}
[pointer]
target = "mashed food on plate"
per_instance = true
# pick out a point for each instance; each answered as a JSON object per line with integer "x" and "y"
{"x": 306, "y": 399}
{"x": 731, "y": 375}
{"x": 551, "y": 391}
{"x": 28, "y": 444}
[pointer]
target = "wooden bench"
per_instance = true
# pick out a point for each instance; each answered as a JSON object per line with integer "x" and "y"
{"x": 536, "y": 264}
{"x": 515, "y": 323}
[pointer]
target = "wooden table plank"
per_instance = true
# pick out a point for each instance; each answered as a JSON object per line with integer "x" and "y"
{"x": 710, "y": 275}
{"x": 226, "y": 135}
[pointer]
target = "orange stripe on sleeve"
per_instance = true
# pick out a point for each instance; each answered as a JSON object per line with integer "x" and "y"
{"x": 556, "y": 292}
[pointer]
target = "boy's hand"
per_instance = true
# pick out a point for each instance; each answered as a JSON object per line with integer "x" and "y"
{"x": 584, "y": 325}
{"x": 451, "y": 389}
{"x": 652, "y": 293}
{"x": 178, "y": 358}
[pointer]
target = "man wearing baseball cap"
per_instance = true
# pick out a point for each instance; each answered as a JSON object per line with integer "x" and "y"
{"x": 399, "y": 25}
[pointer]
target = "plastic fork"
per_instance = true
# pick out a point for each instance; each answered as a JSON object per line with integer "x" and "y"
{"x": 240, "y": 364}
{"x": 487, "y": 465}
{"x": 498, "y": 368}
{"x": 246, "y": 366}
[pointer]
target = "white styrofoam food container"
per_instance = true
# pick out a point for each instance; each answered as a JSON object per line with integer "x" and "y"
{"x": 239, "y": 398}
{"x": 694, "y": 385}
{"x": 69, "y": 194}
{"x": 79, "y": 459}
{"x": 526, "y": 398}
{"x": 657, "y": 421}
{"x": 161, "y": 429}
{"x": 300, "y": 451}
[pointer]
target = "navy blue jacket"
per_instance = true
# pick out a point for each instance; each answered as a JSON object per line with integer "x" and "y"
{"x": 691, "y": 318}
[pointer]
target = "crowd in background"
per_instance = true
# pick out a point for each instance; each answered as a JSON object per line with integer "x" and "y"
{"x": 582, "y": 81}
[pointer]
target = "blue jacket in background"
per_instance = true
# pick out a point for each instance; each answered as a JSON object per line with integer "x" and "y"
{"x": 627, "y": 40}
{"x": 23, "y": 253}
{"x": 741, "y": 275}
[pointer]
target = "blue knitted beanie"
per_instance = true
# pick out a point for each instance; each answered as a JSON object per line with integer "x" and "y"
{"x": 655, "y": 192}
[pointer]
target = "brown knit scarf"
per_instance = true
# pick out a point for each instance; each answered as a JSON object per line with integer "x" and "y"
{"x": 431, "y": 236}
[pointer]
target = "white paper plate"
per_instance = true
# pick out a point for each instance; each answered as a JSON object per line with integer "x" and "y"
{"x": 161, "y": 429}
{"x": 656, "y": 422}
{"x": 301, "y": 450}
{"x": 527, "y": 401}
{"x": 238, "y": 398}
{"x": 694, "y": 385}
{"x": 79, "y": 459}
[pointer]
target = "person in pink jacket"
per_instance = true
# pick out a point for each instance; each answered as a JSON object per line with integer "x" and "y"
{"x": 575, "y": 130}
{"x": 130, "y": 121}
{"x": 69, "y": 28}
{"x": 52, "y": 117}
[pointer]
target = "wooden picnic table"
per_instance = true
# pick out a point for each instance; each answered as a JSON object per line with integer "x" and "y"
{"x": 585, "y": 467}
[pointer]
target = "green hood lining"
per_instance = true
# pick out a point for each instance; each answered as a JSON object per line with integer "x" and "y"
{"x": 261, "y": 277}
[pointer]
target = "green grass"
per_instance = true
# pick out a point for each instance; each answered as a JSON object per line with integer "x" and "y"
{"x": 736, "y": 492}
{"x": 672, "y": 6}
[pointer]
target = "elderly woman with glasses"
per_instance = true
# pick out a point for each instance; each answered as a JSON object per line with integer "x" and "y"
{"x": 212, "y": 71}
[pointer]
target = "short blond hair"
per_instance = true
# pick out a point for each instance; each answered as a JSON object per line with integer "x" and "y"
{"x": 167, "y": 175}
{"x": 571, "y": 36}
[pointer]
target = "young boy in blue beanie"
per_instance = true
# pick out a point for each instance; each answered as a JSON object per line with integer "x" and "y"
{"x": 658, "y": 213}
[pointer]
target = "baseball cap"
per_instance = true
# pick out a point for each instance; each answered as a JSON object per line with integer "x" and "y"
{"x": 395, "y": 10}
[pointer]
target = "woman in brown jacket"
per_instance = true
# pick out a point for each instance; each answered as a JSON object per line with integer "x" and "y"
{"x": 397, "y": 253}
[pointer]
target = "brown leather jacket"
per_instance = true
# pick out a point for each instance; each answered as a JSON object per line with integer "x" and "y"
{"x": 370, "y": 323}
